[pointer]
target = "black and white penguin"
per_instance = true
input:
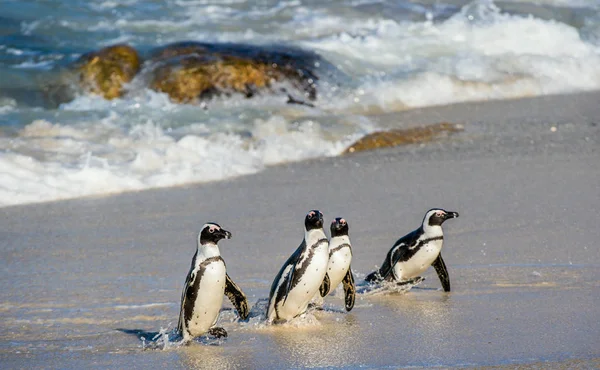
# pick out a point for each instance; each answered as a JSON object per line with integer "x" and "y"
{"x": 338, "y": 268}
{"x": 205, "y": 285}
{"x": 412, "y": 254}
{"x": 302, "y": 274}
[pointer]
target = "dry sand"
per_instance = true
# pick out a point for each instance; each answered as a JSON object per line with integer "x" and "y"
{"x": 523, "y": 257}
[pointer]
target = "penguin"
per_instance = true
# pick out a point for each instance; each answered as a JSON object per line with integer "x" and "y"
{"x": 205, "y": 285}
{"x": 338, "y": 268}
{"x": 302, "y": 274}
{"x": 412, "y": 254}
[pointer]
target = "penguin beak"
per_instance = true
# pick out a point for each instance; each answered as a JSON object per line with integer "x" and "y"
{"x": 451, "y": 215}
{"x": 319, "y": 221}
{"x": 225, "y": 234}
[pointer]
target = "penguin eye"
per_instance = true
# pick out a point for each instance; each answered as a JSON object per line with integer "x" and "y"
{"x": 211, "y": 230}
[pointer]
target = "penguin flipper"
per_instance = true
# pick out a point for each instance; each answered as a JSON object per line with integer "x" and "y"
{"x": 293, "y": 260}
{"x": 289, "y": 281}
{"x": 349, "y": 289}
{"x": 185, "y": 311}
{"x": 325, "y": 285}
{"x": 442, "y": 271}
{"x": 181, "y": 309}
{"x": 237, "y": 297}
{"x": 394, "y": 255}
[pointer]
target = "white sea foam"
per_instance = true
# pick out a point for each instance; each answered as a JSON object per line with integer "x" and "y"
{"x": 45, "y": 64}
{"x": 566, "y": 3}
{"x": 7, "y": 105}
{"x": 477, "y": 54}
{"x": 49, "y": 161}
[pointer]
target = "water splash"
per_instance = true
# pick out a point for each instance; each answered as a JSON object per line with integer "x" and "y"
{"x": 386, "y": 287}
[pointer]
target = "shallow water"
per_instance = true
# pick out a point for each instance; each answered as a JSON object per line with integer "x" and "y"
{"x": 388, "y": 56}
{"x": 475, "y": 325}
{"x": 84, "y": 279}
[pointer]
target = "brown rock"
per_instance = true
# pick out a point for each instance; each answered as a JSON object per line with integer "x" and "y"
{"x": 420, "y": 134}
{"x": 104, "y": 72}
{"x": 190, "y": 71}
{"x": 194, "y": 78}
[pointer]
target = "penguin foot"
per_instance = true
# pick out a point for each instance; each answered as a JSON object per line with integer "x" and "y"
{"x": 217, "y": 332}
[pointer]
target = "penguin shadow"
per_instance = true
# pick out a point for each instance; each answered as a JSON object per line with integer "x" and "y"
{"x": 325, "y": 308}
{"x": 366, "y": 288}
{"x": 141, "y": 334}
{"x": 167, "y": 338}
{"x": 386, "y": 292}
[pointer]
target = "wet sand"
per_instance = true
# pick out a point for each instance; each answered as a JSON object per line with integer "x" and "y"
{"x": 523, "y": 257}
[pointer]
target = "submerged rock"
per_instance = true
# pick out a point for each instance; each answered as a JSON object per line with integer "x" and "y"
{"x": 104, "y": 72}
{"x": 190, "y": 72}
{"x": 192, "y": 79}
{"x": 413, "y": 135}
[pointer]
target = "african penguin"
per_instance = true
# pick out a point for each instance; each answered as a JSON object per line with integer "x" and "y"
{"x": 412, "y": 254}
{"x": 340, "y": 257}
{"x": 302, "y": 274}
{"x": 205, "y": 285}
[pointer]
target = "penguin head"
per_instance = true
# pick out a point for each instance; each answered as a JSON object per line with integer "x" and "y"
{"x": 339, "y": 227}
{"x": 211, "y": 233}
{"x": 437, "y": 216}
{"x": 313, "y": 220}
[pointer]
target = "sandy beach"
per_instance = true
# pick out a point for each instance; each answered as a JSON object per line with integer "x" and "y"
{"x": 523, "y": 257}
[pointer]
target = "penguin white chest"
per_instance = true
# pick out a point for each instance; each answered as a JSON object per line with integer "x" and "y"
{"x": 419, "y": 262}
{"x": 209, "y": 298}
{"x": 339, "y": 263}
{"x": 312, "y": 274}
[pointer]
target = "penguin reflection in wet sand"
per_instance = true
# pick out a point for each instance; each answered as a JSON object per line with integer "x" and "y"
{"x": 338, "y": 268}
{"x": 205, "y": 285}
{"x": 412, "y": 254}
{"x": 302, "y": 274}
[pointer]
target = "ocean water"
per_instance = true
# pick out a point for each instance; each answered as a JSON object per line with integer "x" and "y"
{"x": 388, "y": 56}
{"x": 84, "y": 282}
